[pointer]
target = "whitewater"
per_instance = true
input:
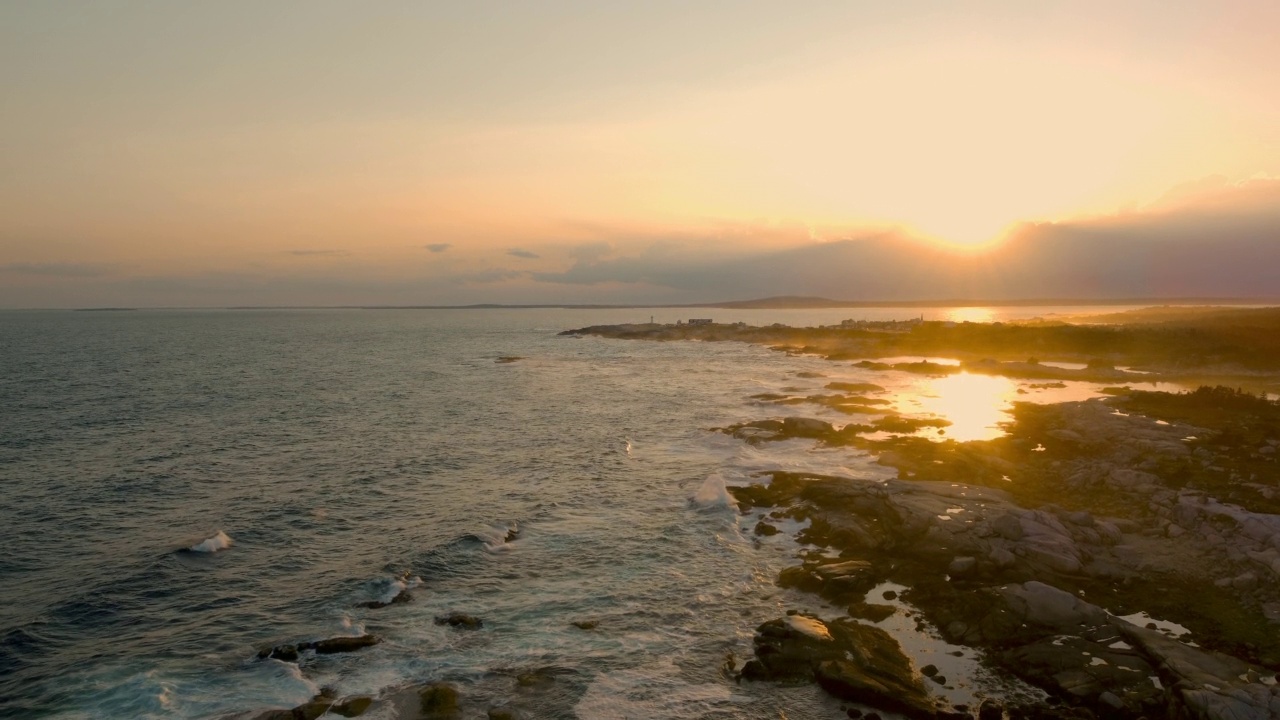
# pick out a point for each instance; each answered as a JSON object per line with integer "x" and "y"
{"x": 184, "y": 488}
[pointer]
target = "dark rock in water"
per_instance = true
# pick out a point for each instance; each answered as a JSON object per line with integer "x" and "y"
{"x": 890, "y": 595}
{"x": 586, "y": 624}
{"x": 352, "y": 707}
{"x": 462, "y": 620}
{"x": 438, "y": 700}
{"x": 765, "y": 529}
{"x": 729, "y": 665}
{"x": 501, "y": 714}
{"x": 508, "y": 359}
{"x": 341, "y": 644}
{"x": 787, "y": 649}
{"x": 871, "y": 611}
{"x": 401, "y": 597}
{"x": 289, "y": 653}
{"x": 286, "y": 653}
{"x": 854, "y": 713}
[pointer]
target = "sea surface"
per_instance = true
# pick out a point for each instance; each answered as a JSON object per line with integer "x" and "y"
{"x": 179, "y": 489}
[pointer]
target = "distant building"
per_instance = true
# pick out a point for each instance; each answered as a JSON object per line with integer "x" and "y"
{"x": 699, "y": 321}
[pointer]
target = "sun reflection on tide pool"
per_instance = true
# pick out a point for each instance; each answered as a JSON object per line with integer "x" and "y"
{"x": 975, "y": 404}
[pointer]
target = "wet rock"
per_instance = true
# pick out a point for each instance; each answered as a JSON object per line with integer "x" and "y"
{"x": 286, "y": 653}
{"x": 764, "y": 529}
{"x": 929, "y": 670}
{"x": 849, "y": 660}
{"x": 460, "y": 620}
{"x": 832, "y": 580}
{"x": 806, "y": 427}
{"x": 1207, "y": 685}
{"x": 352, "y": 707}
{"x": 586, "y": 624}
{"x": 341, "y": 644}
{"x": 1040, "y": 604}
{"x": 871, "y": 611}
{"x": 501, "y": 714}
{"x": 438, "y": 700}
{"x": 788, "y": 648}
{"x": 1080, "y": 669}
{"x": 289, "y": 653}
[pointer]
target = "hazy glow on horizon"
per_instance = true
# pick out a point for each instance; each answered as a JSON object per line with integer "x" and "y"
{"x": 405, "y": 141}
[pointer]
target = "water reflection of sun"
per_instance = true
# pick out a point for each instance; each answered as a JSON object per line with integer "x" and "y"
{"x": 975, "y": 404}
{"x": 970, "y": 314}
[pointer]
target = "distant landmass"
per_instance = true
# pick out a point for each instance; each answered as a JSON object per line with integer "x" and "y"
{"x": 777, "y": 302}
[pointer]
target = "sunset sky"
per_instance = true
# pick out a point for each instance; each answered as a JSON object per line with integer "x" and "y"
{"x": 316, "y": 152}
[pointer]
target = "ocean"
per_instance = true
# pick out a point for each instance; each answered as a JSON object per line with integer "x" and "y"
{"x": 181, "y": 488}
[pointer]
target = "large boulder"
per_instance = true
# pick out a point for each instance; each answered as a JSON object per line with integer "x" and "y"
{"x": 847, "y": 580}
{"x": 849, "y": 660}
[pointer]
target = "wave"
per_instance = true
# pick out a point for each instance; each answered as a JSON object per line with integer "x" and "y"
{"x": 498, "y": 538}
{"x": 713, "y": 494}
{"x": 220, "y": 541}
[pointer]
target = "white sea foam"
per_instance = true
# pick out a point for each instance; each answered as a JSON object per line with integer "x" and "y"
{"x": 499, "y": 538}
{"x": 220, "y": 541}
{"x": 713, "y": 494}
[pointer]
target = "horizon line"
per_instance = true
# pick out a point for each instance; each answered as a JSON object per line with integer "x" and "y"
{"x": 781, "y": 302}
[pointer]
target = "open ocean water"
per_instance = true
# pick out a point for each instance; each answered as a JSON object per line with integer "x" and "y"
{"x": 320, "y": 459}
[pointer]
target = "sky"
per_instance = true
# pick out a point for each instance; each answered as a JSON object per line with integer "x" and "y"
{"x": 311, "y": 152}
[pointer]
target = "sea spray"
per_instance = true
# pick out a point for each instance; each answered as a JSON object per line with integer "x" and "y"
{"x": 713, "y": 494}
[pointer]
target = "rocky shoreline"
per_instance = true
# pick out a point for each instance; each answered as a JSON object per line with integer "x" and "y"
{"x": 1043, "y": 550}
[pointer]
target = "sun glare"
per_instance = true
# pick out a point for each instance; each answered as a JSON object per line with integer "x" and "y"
{"x": 970, "y": 314}
{"x": 975, "y": 404}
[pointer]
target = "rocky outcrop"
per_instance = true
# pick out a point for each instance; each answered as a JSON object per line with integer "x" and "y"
{"x": 460, "y": 620}
{"x": 850, "y": 660}
{"x": 989, "y": 574}
{"x": 290, "y": 653}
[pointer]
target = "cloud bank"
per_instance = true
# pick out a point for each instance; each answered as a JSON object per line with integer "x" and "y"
{"x": 1211, "y": 238}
